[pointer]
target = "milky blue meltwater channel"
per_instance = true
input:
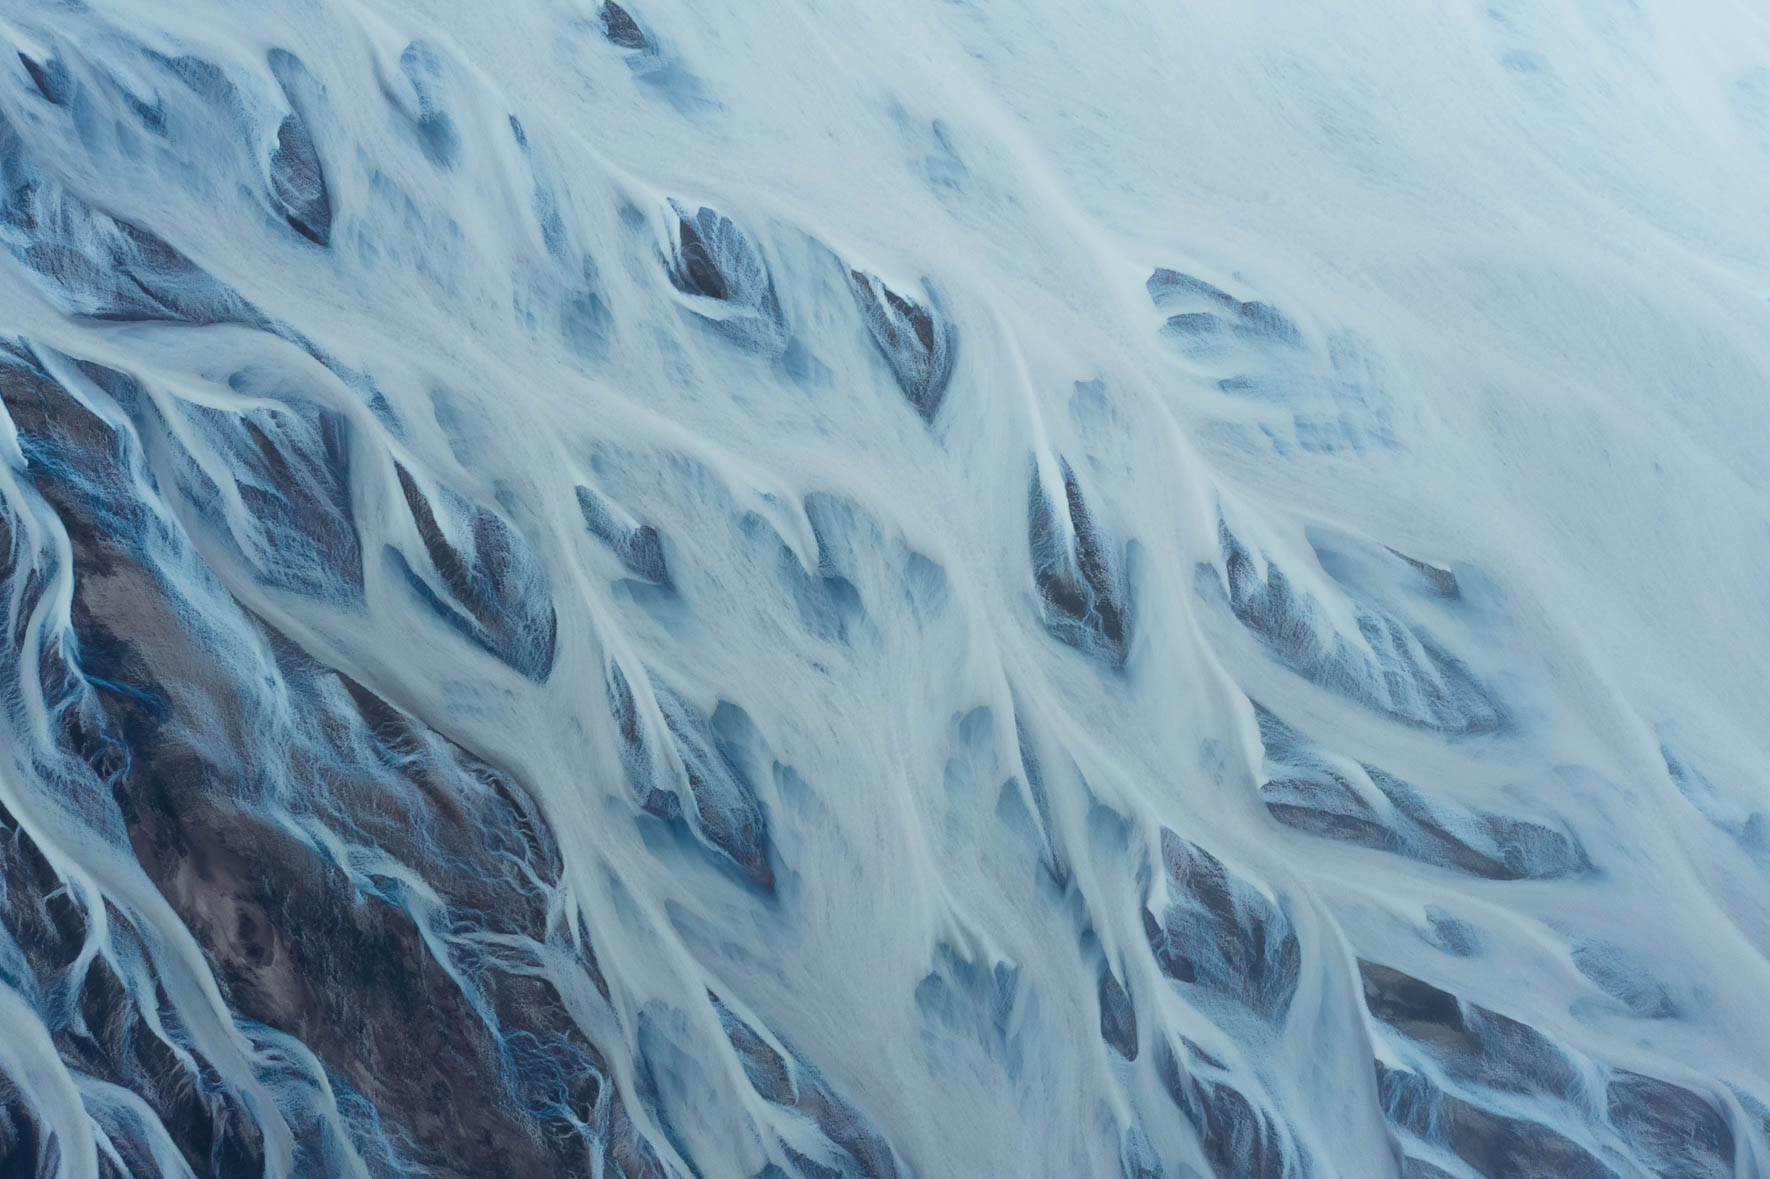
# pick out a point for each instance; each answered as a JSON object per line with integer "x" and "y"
{"x": 943, "y": 589}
